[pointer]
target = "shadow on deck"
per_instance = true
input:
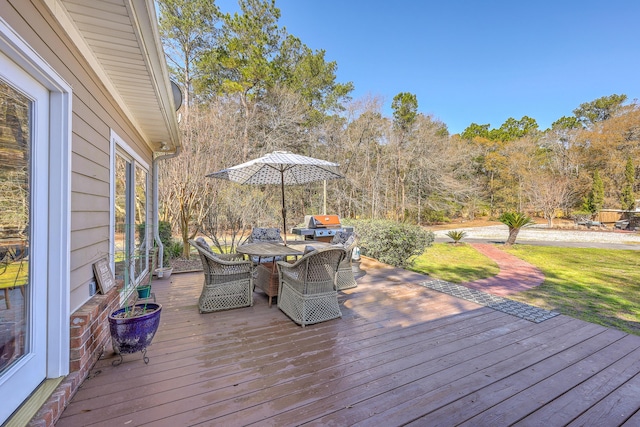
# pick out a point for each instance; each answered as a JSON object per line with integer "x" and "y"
{"x": 401, "y": 354}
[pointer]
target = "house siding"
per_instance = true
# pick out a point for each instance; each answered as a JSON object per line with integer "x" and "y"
{"x": 94, "y": 114}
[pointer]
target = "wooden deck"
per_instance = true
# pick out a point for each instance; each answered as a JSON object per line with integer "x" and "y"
{"x": 401, "y": 354}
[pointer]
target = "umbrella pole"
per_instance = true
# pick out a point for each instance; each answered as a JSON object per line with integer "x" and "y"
{"x": 284, "y": 211}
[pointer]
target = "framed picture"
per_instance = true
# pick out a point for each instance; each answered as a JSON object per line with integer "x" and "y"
{"x": 104, "y": 276}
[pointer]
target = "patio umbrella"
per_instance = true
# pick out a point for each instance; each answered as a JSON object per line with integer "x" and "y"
{"x": 283, "y": 168}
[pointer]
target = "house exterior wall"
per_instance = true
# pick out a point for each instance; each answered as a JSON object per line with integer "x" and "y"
{"x": 95, "y": 114}
{"x": 89, "y": 338}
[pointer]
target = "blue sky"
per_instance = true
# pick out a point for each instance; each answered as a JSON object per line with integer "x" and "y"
{"x": 476, "y": 61}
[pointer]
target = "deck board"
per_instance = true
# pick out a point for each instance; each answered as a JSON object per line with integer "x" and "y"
{"x": 400, "y": 354}
{"x": 577, "y": 400}
{"x": 512, "y": 383}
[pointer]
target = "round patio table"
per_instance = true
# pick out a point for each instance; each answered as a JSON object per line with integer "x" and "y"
{"x": 267, "y": 277}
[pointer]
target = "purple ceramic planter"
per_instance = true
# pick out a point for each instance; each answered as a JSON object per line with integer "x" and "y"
{"x": 133, "y": 334}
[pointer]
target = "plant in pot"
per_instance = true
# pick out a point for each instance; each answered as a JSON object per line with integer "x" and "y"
{"x": 133, "y": 327}
{"x": 144, "y": 290}
{"x": 166, "y": 270}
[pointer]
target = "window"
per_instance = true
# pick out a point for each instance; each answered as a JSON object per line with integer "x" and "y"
{"x": 130, "y": 216}
{"x": 16, "y": 123}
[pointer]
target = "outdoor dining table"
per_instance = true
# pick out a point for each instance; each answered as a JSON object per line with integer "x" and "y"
{"x": 267, "y": 277}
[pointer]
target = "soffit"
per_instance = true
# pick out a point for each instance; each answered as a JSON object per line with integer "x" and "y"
{"x": 120, "y": 40}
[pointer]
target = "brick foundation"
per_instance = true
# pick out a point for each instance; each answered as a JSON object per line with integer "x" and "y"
{"x": 88, "y": 339}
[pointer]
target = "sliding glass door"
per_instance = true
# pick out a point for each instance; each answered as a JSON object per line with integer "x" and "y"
{"x": 130, "y": 242}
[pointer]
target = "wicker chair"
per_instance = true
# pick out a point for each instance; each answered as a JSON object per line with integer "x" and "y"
{"x": 228, "y": 280}
{"x": 345, "y": 278}
{"x": 307, "y": 291}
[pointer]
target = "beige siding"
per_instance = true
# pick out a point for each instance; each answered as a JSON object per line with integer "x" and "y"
{"x": 81, "y": 221}
{"x": 95, "y": 113}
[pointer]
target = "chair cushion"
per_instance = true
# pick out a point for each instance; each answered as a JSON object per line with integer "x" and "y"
{"x": 204, "y": 245}
{"x": 340, "y": 237}
{"x": 350, "y": 240}
{"x": 259, "y": 234}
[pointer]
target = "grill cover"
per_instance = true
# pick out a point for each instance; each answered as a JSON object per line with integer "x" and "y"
{"x": 322, "y": 221}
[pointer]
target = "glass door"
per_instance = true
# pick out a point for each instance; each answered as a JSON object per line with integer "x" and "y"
{"x": 130, "y": 219}
{"x": 23, "y": 230}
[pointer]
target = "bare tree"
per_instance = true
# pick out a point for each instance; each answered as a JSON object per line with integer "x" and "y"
{"x": 549, "y": 194}
{"x": 208, "y": 145}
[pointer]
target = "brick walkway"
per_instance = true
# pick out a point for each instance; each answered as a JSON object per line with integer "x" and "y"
{"x": 515, "y": 274}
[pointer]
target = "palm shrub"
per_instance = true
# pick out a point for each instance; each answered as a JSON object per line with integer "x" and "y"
{"x": 456, "y": 235}
{"x": 515, "y": 221}
{"x": 391, "y": 242}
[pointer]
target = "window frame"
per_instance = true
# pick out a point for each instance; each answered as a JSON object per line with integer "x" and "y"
{"x": 120, "y": 148}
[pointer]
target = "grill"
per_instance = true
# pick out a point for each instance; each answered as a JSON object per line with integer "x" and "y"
{"x": 320, "y": 227}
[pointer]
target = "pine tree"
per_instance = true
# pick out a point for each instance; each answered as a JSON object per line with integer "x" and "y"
{"x": 628, "y": 199}
{"x": 595, "y": 200}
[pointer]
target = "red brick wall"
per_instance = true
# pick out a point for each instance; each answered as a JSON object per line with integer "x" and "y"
{"x": 89, "y": 338}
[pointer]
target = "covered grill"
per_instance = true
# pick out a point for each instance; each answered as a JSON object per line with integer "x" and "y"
{"x": 320, "y": 227}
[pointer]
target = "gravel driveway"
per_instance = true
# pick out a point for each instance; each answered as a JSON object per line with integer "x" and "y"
{"x": 540, "y": 233}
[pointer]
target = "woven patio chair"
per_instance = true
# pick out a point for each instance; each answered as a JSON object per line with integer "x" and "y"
{"x": 228, "y": 280}
{"x": 345, "y": 278}
{"x": 307, "y": 291}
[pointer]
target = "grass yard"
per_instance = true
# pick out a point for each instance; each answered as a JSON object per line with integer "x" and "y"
{"x": 596, "y": 285}
{"x": 455, "y": 263}
{"x": 13, "y": 274}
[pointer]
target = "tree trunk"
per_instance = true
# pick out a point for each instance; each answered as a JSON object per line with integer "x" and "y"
{"x": 513, "y": 233}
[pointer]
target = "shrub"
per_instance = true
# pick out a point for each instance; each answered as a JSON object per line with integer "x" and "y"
{"x": 164, "y": 231}
{"x": 391, "y": 242}
{"x": 456, "y": 235}
{"x": 433, "y": 217}
{"x": 174, "y": 250}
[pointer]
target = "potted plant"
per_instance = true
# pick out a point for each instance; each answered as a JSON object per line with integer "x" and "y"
{"x": 144, "y": 291}
{"x": 166, "y": 270}
{"x": 133, "y": 327}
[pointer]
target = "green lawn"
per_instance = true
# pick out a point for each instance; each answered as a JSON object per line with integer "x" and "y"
{"x": 13, "y": 274}
{"x": 596, "y": 285}
{"x": 455, "y": 263}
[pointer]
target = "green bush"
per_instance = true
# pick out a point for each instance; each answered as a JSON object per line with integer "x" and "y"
{"x": 433, "y": 217}
{"x": 391, "y": 242}
{"x": 174, "y": 250}
{"x": 456, "y": 235}
{"x": 164, "y": 231}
